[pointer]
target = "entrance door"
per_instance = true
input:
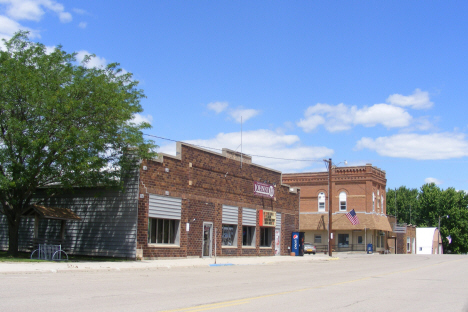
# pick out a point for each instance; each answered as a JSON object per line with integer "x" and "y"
{"x": 207, "y": 236}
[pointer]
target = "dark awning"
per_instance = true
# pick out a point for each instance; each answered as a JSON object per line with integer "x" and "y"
{"x": 51, "y": 213}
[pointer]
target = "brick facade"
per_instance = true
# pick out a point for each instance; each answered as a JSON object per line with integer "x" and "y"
{"x": 205, "y": 181}
{"x": 364, "y": 188}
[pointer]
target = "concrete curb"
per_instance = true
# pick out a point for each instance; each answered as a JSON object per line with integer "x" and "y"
{"x": 65, "y": 267}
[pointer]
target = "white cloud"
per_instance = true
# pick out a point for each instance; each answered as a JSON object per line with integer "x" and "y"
{"x": 418, "y": 146}
{"x": 34, "y": 9}
{"x": 94, "y": 62}
{"x": 265, "y": 143}
{"x": 137, "y": 119}
{"x": 8, "y": 27}
{"x": 386, "y": 115}
{"x": 236, "y": 113}
{"x": 218, "y": 107}
{"x": 82, "y": 25}
{"x": 433, "y": 180}
{"x": 79, "y": 11}
{"x": 243, "y": 114}
{"x": 342, "y": 117}
{"x": 418, "y": 100}
{"x": 65, "y": 17}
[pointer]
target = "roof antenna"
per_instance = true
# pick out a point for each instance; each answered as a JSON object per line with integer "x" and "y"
{"x": 241, "y": 142}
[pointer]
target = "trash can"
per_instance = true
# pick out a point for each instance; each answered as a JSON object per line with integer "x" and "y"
{"x": 370, "y": 248}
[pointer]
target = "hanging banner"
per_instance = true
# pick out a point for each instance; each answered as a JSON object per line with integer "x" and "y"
{"x": 264, "y": 189}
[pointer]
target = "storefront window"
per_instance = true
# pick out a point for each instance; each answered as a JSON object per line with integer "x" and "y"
{"x": 248, "y": 235}
{"x": 343, "y": 240}
{"x": 265, "y": 237}
{"x": 162, "y": 231}
{"x": 229, "y": 235}
{"x": 318, "y": 239}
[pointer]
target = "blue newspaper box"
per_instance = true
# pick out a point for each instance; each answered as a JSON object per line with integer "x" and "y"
{"x": 370, "y": 248}
{"x": 297, "y": 243}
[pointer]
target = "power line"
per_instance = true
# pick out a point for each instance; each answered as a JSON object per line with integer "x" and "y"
{"x": 252, "y": 155}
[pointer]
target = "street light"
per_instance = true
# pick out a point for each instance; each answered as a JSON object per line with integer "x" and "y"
{"x": 438, "y": 236}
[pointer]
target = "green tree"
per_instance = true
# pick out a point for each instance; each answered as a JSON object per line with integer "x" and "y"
{"x": 454, "y": 205}
{"x": 430, "y": 203}
{"x": 62, "y": 124}
{"x": 406, "y": 202}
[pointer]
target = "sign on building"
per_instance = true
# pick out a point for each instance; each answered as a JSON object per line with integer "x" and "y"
{"x": 264, "y": 189}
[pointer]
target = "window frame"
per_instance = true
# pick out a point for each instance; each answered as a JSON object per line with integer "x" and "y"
{"x": 266, "y": 235}
{"x": 164, "y": 236}
{"x": 233, "y": 230}
{"x": 245, "y": 229}
{"x": 317, "y": 238}
{"x": 343, "y": 203}
{"x": 321, "y": 200}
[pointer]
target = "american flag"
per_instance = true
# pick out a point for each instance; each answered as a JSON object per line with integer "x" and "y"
{"x": 353, "y": 217}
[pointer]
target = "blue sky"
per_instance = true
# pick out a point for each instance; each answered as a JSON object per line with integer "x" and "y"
{"x": 362, "y": 81}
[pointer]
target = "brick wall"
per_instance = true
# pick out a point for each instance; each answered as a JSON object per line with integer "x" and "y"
{"x": 357, "y": 182}
{"x": 206, "y": 181}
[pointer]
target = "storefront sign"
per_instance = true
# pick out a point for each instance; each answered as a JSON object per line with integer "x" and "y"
{"x": 263, "y": 189}
{"x": 267, "y": 218}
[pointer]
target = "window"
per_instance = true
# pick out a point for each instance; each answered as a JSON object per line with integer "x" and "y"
{"x": 373, "y": 201}
{"x": 265, "y": 237}
{"x": 321, "y": 202}
{"x": 229, "y": 228}
{"x": 359, "y": 239}
{"x": 164, "y": 219}
{"x": 343, "y": 240}
{"x": 163, "y": 231}
{"x": 342, "y": 201}
{"x": 249, "y": 221}
{"x": 229, "y": 235}
{"x": 318, "y": 239}
{"x": 248, "y": 236}
{"x": 381, "y": 199}
{"x": 408, "y": 244}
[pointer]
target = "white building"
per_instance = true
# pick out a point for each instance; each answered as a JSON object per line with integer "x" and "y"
{"x": 428, "y": 241}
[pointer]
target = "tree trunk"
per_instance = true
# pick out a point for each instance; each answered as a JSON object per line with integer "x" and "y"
{"x": 13, "y": 231}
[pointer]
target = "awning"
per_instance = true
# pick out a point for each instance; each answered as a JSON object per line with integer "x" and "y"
{"x": 51, "y": 213}
{"x": 319, "y": 222}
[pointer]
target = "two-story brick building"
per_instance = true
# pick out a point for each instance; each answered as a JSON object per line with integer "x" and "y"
{"x": 361, "y": 188}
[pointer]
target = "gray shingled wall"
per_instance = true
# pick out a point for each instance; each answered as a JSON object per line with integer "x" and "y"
{"x": 108, "y": 226}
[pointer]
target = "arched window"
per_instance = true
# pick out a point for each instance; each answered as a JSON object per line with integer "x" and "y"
{"x": 373, "y": 201}
{"x": 342, "y": 201}
{"x": 321, "y": 202}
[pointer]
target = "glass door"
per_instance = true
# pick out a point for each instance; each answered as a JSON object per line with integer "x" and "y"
{"x": 207, "y": 237}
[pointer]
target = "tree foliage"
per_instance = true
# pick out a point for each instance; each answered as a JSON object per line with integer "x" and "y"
{"x": 428, "y": 205}
{"x": 62, "y": 124}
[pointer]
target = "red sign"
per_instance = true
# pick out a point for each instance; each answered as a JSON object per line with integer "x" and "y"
{"x": 263, "y": 189}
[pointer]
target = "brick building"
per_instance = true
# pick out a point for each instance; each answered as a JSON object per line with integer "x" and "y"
{"x": 361, "y": 188}
{"x": 403, "y": 237}
{"x": 200, "y": 202}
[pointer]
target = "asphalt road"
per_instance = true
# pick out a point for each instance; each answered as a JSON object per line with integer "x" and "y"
{"x": 351, "y": 283}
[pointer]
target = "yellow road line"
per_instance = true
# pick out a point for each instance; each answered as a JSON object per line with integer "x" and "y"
{"x": 230, "y": 303}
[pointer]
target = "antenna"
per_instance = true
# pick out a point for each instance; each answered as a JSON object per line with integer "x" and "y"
{"x": 241, "y": 142}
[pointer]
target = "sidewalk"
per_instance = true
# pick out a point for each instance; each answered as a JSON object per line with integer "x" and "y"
{"x": 60, "y": 267}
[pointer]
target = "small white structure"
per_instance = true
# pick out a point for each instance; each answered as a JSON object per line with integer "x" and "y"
{"x": 428, "y": 241}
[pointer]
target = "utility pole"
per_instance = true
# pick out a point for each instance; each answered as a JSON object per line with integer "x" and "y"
{"x": 329, "y": 207}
